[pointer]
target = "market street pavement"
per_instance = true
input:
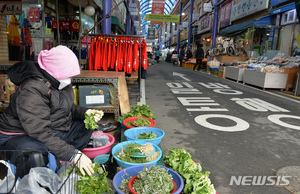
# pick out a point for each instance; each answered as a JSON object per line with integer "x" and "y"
{"x": 241, "y": 134}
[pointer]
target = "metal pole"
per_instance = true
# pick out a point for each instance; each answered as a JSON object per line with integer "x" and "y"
{"x": 127, "y": 19}
{"x": 190, "y": 22}
{"x": 215, "y": 24}
{"x": 43, "y": 25}
{"x": 57, "y": 23}
{"x": 178, "y": 33}
{"x": 106, "y": 25}
{"x": 170, "y": 33}
{"x": 80, "y": 33}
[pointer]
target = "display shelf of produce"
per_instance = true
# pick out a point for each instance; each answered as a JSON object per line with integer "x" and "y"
{"x": 160, "y": 161}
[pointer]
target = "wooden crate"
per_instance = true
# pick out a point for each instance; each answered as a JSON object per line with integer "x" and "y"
{"x": 292, "y": 78}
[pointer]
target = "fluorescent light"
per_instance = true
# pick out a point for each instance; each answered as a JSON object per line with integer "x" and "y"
{"x": 182, "y": 13}
{"x": 140, "y": 12}
{"x": 173, "y": 24}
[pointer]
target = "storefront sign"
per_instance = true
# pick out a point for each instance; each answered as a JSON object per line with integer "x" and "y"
{"x": 151, "y": 33}
{"x": 246, "y": 7}
{"x": 270, "y": 37}
{"x": 133, "y": 9}
{"x": 186, "y": 33}
{"x": 11, "y": 7}
{"x": 275, "y": 2}
{"x": 207, "y": 7}
{"x": 225, "y": 14}
{"x": 158, "y": 7}
{"x": 195, "y": 16}
{"x": 181, "y": 35}
{"x": 136, "y": 23}
{"x": 205, "y": 23}
{"x": 162, "y": 18}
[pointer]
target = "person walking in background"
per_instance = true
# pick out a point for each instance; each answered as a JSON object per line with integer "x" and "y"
{"x": 157, "y": 55}
{"x": 189, "y": 54}
{"x": 199, "y": 56}
{"x": 181, "y": 55}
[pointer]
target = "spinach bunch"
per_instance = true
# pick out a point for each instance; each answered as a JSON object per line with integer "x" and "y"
{"x": 146, "y": 136}
{"x": 196, "y": 181}
{"x": 141, "y": 122}
{"x": 96, "y": 183}
{"x": 90, "y": 121}
{"x": 138, "y": 111}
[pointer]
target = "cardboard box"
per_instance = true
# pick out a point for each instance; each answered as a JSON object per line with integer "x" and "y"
{"x": 6, "y": 87}
{"x": 94, "y": 95}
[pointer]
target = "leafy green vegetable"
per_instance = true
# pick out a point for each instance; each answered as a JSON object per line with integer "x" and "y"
{"x": 196, "y": 181}
{"x": 137, "y": 149}
{"x": 97, "y": 183}
{"x": 124, "y": 184}
{"x": 138, "y": 111}
{"x": 146, "y": 136}
{"x": 129, "y": 123}
{"x": 90, "y": 121}
{"x": 153, "y": 180}
{"x": 141, "y": 122}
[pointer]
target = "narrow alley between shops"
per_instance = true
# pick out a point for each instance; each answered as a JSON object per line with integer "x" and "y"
{"x": 242, "y": 134}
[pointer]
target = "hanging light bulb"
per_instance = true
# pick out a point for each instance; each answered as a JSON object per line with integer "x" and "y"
{"x": 89, "y": 10}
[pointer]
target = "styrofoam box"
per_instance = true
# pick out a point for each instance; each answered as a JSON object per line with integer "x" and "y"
{"x": 234, "y": 73}
{"x": 265, "y": 80}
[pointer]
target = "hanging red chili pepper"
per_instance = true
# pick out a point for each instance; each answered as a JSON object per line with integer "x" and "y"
{"x": 144, "y": 55}
{"x": 113, "y": 53}
{"x": 136, "y": 49}
{"x": 92, "y": 55}
{"x": 129, "y": 56}
{"x": 97, "y": 54}
{"x": 118, "y": 54}
{"x": 109, "y": 52}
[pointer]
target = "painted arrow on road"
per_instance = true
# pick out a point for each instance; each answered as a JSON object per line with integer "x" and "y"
{"x": 181, "y": 75}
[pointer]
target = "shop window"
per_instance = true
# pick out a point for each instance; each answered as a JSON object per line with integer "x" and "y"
{"x": 288, "y": 17}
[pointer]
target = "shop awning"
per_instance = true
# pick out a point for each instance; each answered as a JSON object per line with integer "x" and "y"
{"x": 242, "y": 28}
{"x": 283, "y": 8}
{"x": 114, "y": 20}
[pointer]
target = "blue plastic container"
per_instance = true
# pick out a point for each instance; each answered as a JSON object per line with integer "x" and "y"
{"x": 117, "y": 148}
{"x": 132, "y": 171}
{"x": 250, "y": 67}
{"x": 132, "y": 133}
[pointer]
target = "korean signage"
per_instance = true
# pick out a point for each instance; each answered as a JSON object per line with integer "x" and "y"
{"x": 275, "y": 2}
{"x": 225, "y": 14}
{"x": 195, "y": 16}
{"x": 133, "y": 9}
{"x": 270, "y": 37}
{"x": 205, "y": 23}
{"x": 158, "y": 7}
{"x": 207, "y": 7}
{"x": 11, "y": 7}
{"x": 246, "y": 7}
{"x": 151, "y": 33}
{"x": 162, "y": 18}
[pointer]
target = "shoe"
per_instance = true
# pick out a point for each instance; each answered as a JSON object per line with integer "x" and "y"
{"x": 106, "y": 127}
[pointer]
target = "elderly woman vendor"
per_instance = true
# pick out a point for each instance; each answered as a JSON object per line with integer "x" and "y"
{"x": 42, "y": 115}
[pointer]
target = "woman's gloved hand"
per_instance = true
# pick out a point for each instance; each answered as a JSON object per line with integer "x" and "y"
{"x": 98, "y": 114}
{"x": 83, "y": 163}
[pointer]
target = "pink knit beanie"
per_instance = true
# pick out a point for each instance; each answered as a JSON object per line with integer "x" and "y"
{"x": 60, "y": 62}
